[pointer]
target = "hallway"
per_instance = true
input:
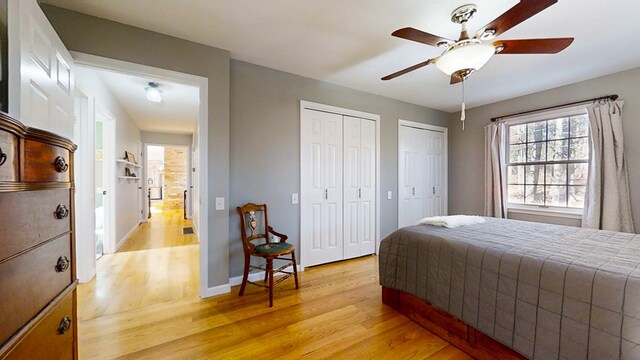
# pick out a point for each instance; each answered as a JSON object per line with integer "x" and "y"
{"x": 158, "y": 264}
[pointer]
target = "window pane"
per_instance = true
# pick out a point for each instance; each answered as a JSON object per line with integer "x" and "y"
{"x": 516, "y": 174}
{"x": 534, "y": 194}
{"x": 576, "y": 196}
{"x": 578, "y": 174}
{"x": 516, "y": 194}
{"x": 558, "y": 150}
{"x": 558, "y": 128}
{"x": 557, "y": 174}
{"x": 535, "y": 174}
{"x": 579, "y": 149}
{"x": 556, "y": 195}
{"x": 537, "y": 152}
{"x": 579, "y": 126}
{"x": 537, "y": 131}
{"x": 518, "y": 134}
{"x": 517, "y": 153}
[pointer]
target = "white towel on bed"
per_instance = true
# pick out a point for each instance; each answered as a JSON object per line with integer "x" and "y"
{"x": 452, "y": 221}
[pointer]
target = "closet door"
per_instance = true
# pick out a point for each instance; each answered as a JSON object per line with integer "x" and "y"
{"x": 359, "y": 187}
{"x": 321, "y": 192}
{"x": 435, "y": 174}
{"x": 421, "y": 175}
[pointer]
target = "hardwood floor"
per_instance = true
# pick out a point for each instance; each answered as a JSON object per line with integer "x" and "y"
{"x": 144, "y": 304}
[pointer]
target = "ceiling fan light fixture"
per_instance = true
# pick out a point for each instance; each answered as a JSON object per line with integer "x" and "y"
{"x": 466, "y": 54}
{"x": 488, "y": 34}
{"x": 154, "y": 94}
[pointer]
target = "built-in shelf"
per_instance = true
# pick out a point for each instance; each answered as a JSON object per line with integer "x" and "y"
{"x": 128, "y": 177}
{"x": 129, "y": 163}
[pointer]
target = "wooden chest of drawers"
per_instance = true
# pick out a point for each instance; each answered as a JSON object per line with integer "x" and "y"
{"x": 37, "y": 257}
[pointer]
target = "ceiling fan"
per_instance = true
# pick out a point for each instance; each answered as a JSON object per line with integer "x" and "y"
{"x": 466, "y": 55}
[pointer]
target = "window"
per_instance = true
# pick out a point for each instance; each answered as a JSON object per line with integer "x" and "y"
{"x": 547, "y": 163}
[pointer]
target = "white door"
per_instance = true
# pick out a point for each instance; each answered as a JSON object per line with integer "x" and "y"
{"x": 421, "y": 174}
{"x": 321, "y": 191}
{"x": 359, "y": 186}
{"x": 41, "y": 76}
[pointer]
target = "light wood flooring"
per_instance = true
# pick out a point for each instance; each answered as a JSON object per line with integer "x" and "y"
{"x": 144, "y": 304}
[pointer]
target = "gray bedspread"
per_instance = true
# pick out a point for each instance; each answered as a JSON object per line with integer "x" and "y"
{"x": 546, "y": 291}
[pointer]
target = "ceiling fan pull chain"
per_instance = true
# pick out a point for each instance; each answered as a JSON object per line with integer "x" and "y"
{"x": 463, "y": 116}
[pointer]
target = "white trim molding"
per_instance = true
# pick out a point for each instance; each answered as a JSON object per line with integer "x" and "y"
{"x": 127, "y": 236}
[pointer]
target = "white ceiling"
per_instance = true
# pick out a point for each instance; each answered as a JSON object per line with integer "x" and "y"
{"x": 177, "y": 113}
{"x": 349, "y": 43}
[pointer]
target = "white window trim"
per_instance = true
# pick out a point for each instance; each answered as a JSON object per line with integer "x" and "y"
{"x": 551, "y": 211}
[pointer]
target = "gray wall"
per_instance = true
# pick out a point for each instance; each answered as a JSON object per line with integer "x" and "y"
{"x": 96, "y": 36}
{"x": 466, "y": 148}
{"x": 265, "y": 142}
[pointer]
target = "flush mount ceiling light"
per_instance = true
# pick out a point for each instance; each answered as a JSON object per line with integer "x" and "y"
{"x": 154, "y": 94}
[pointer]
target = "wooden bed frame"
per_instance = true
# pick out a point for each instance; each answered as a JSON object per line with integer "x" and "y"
{"x": 456, "y": 332}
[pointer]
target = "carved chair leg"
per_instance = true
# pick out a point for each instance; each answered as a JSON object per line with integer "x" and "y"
{"x": 266, "y": 272}
{"x": 245, "y": 276}
{"x": 270, "y": 267}
{"x": 295, "y": 267}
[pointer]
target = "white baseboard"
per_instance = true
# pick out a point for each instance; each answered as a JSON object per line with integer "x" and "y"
{"x": 217, "y": 290}
{"x": 127, "y": 237}
{"x": 226, "y": 288}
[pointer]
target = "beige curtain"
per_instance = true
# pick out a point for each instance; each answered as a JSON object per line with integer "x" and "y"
{"x": 607, "y": 204}
{"x": 495, "y": 176}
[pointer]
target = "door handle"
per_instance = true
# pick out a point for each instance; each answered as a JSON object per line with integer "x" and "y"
{"x": 326, "y": 194}
{"x": 434, "y": 190}
{"x": 360, "y": 193}
{"x": 413, "y": 190}
{"x": 104, "y": 192}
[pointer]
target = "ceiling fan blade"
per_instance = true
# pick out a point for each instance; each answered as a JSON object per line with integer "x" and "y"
{"x": 409, "y": 69}
{"x": 420, "y": 36}
{"x": 533, "y": 46}
{"x": 514, "y": 16}
{"x": 455, "y": 79}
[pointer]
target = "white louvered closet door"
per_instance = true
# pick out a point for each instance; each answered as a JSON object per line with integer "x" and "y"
{"x": 321, "y": 198}
{"x": 359, "y": 187}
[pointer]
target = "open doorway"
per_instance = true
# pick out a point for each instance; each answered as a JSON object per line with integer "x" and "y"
{"x": 184, "y": 98}
{"x": 167, "y": 180}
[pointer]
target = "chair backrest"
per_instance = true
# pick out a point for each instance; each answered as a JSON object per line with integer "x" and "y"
{"x": 254, "y": 224}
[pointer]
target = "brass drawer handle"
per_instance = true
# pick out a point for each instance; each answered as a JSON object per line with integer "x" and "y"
{"x": 61, "y": 164}
{"x": 65, "y": 325}
{"x": 63, "y": 264}
{"x": 3, "y": 157}
{"x": 61, "y": 212}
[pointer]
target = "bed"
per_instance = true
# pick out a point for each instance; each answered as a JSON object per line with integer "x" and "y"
{"x": 516, "y": 289}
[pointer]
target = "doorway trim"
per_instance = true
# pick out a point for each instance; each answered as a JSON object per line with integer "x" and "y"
{"x": 429, "y": 127}
{"x": 108, "y": 158}
{"x": 202, "y": 131}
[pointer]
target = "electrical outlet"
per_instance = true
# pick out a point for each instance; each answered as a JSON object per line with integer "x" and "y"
{"x": 389, "y": 195}
{"x": 219, "y": 203}
{"x": 294, "y": 198}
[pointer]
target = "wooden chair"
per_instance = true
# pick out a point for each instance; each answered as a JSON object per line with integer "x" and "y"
{"x": 249, "y": 220}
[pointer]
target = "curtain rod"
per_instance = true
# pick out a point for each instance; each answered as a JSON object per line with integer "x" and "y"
{"x": 613, "y": 97}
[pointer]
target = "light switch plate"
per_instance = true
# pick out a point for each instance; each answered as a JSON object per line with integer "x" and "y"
{"x": 389, "y": 195}
{"x": 219, "y": 203}
{"x": 294, "y": 198}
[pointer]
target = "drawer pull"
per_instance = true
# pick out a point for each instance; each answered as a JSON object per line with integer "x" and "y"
{"x": 61, "y": 164}
{"x": 63, "y": 264}
{"x": 61, "y": 212}
{"x": 3, "y": 157}
{"x": 65, "y": 325}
